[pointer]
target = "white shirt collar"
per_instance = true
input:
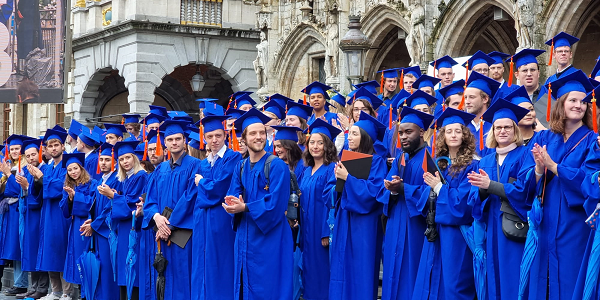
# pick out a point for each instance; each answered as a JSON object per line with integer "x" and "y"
{"x": 476, "y": 124}
{"x": 106, "y": 176}
{"x": 130, "y": 172}
{"x": 211, "y": 157}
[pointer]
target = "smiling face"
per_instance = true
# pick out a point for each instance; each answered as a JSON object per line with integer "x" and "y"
{"x": 255, "y": 137}
{"x": 316, "y": 146}
{"x": 354, "y": 138}
{"x": 390, "y": 84}
{"x": 14, "y": 152}
{"x": 280, "y": 150}
{"x": 74, "y": 171}
{"x": 574, "y": 107}
{"x": 504, "y": 132}
{"x": 292, "y": 121}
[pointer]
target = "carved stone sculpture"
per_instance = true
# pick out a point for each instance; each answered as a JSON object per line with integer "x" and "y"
{"x": 415, "y": 41}
{"x": 332, "y": 49}
{"x": 523, "y": 11}
{"x": 262, "y": 61}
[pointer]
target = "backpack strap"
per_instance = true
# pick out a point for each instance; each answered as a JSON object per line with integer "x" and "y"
{"x": 267, "y": 169}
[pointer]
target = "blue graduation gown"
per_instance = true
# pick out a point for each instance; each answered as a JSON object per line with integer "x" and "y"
{"x": 107, "y": 287}
{"x": 563, "y": 232}
{"x": 504, "y": 91}
{"x": 448, "y": 262}
{"x": 392, "y": 150}
{"x": 168, "y": 187}
{"x": 486, "y": 129}
{"x": 32, "y": 204}
{"x": 91, "y": 164}
{"x": 123, "y": 205}
{"x": 213, "y": 238}
{"x": 147, "y": 277}
{"x": 76, "y": 212}
{"x": 9, "y": 234}
{"x": 544, "y": 90}
{"x": 405, "y": 228}
{"x": 357, "y": 235}
{"x": 54, "y": 229}
{"x": 313, "y": 227}
{"x": 263, "y": 241}
{"x": 328, "y": 117}
{"x": 133, "y": 138}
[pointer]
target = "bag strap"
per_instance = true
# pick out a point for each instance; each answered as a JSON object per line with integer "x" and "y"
{"x": 294, "y": 183}
{"x": 267, "y": 169}
{"x": 505, "y": 206}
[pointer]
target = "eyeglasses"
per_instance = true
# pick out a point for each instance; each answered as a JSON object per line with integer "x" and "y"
{"x": 356, "y": 109}
{"x": 563, "y": 51}
{"x": 506, "y": 128}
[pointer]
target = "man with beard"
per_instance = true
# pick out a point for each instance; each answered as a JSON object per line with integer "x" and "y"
{"x": 404, "y": 205}
{"x": 53, "y": 230}
{"x": 478, "y": 94}
{"x": 171, "y": 182}
{"x": 152, "y": 145}
{"x": 263, "y": 237}
{"x": 497, "y": 73}
{"x": 389, "y": 82}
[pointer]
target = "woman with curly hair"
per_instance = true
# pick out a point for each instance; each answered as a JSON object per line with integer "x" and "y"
{"x": 453, "y": 261}
{"x": 320, "y": 157}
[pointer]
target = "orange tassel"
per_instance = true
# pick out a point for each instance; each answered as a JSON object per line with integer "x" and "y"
{"x": 145, "y": 150}
{"x": 304, "y": 101}
{"x": 461, "y": 106}
{"x": 434, "y": 138}
{"x": 274, "y": 153}
{"x": 402, "y": 80}
{"x": 201, "y": 133}
{"x": 434, "y": 64}
{"x": 40, "y": 154}
{"x": 548, "y": 109}
{"x": 19, "y": 162}
{"x": 391, "y": 109}
{"x": 159, "y": 148}
{"x": 424, "y": 165}
{"x": 122, "y": 120}
{"x": 594, "y": 111}
{"x": 403, "y": 161}
{"x": 398, "y": 144}
{"x": 510, "y": 75}
{"x": 444, "y": 107}
{"x": 98, "y": 164}
{"x": 381, "y": 84}
{"x": 112, "y": 160}
{"x": 481, "y": 133}
{"x": 467, "y": 74}
{"x": 551, "y": 52}
{"x": 234, "y": 140}
{"x": 168, "y": 155}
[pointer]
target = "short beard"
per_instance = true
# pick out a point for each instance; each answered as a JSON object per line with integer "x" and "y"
{"x": 413, "y": 145}
{"x": 57, "y": 156}
{"x": 256, "y": 150}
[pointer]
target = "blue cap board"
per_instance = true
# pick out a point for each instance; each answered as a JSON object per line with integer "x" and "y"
{"x": 478, "y": 58}
{"x": 483, "y": 83}
{"x": 351, "y": 94}
{"x": 425, "y": 81}
{"x": 151, "y": 136}
{"x": 498, "y": 57}
{"x": 89, "y": 138}
{"x": 418, "y": 98}
{"x": 177, "y": 113}
{"x": 122, "y": 148}
{"x": 213, "y": 109}
{"x": 502, "y": 109}
{"x": 274, "y": 108}
{"x": 576, "y": 81}
{"x": 75, "y": 129}
{"x": 374, "y": 128}
{"x": 321, "y": 126}
{"x": 116, "y": 129}
{"x": 443, "y": 62}
{"x": 299, "y": 110}
{"x": 212, "y": 123}
{"x": 453, "y": 89}
{"x": 158, "y": 110}
{"x": 562, "y": 39}
{"x": 399, "y": 99}
{"x": 414, "y": 71}
{"x": 286, "y": 133}
{"x": 389, "y": 73}
{"x": 203, "y": 101}
{"x": 171, "y": 127}
{"x": 525, "y": 57}
{"x": 17, "y": 139}
{"x": 28, "y": 144}
{"x": 518, "y": 96}
{"x": 105, "y": 149}
{"x": 131, "y": 118}
{"x": 280, "y": 99}
{"x": 55, "y": 134}
{"x": 234, "y": 113}
{"x": 339, "y": 99}
{"x": 370, "y": 86}
{"x": 596, "y": 93}
{"x": 596, "y": 70}
{"x": 69, "y": 158}
{"x": 194, "y": 140}
{"x": 364, "y": 94}
{"x": 239, "y": 94}
{"x": 253, "y": 116}
{"x": 317, "y": 88}
{"x": 453, "y": 116}
{"x": 243, "y": 100}
{"x": 152, "y": 118}
{"x": 58, "y": 128}
{"x": 421, "y": 119}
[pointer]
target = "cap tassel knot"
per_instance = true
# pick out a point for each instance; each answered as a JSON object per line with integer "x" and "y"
{"x": 548, "y": 108}
{"x": 551, "y": 52}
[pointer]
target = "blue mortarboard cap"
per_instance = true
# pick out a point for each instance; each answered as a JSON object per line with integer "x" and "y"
{"x": 339, "y": 99}
{"x": 596, "y": 70}
{"x": 239, "y": 94}
{"x": 526, "y": 56}
{"x": 101, "y": 133}
{"x": 317, "y": 88}
{"x": 371, "y": 86}
{"x": 151, "y": 136}
{"x": 419, "y": 97}
{"x": 443, "y": 62}
{"x": 279, "y": 99}
{"x": 425, "y": 81}
{"x": 234, "y": 113}
{"x": 321, "y": 126}
{"x": 187, "y": 119}
{"x": 125, "y": 147}
{"x": 286, "y": 133}
{"x": 171, "y": 127}
{"x": 453, "y": 116}
{"x": 562, "y": 39}
{"x": 483, "y": 83}
{"x": 116, "y": 129}
{"x": 398, "y": 99}
{"x": 152, "y": 118}
{"x": 243, "y": 100}
{"x": 389, "y": 73}
{"x": 73, "y": 158}
{"x": 252, "y": 116}
{"x": 194, "y": 140}
{"x": 275, "y": 108}
{"x": 131, "y": 118}
{"x": 213, "y": 109}
{"x": 17, "y": 139}
{"x": 177, "y": 113}
{"x": 421, "y": 119}
{"x": 595, "y": 93}
{"x": 374, "y": 128}
{"x": 89, "y": 138}
{"x": 414, "y": 70}
{"x": 212, "y": 123}
{"x": 518, "y": 96}
{"x": 75, "y": 129}
{"x": 453, "y": 88}
{"x": 363, "y": 93}
{"x": 351, "y": 94}
{"x": 203, "y": 101}
{"x": 139, "y": 153}
{"x": 576, "y": 81}
{"x": 106, "y": 149}
{"x": 55, "y": 134}
{"x": 158, "y": 110}
{"x": 479, "y": 58}
{"x": 503, "y": 109}
{"x": 58, "y": 128}
{"x": 28, "y": 144}
{"x": 298, "y": 109}
{"x": 498, "y": 57}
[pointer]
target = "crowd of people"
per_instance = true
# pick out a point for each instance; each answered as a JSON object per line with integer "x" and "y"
{"x": 477, "y": 189}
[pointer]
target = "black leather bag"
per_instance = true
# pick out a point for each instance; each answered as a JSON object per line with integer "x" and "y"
{"x": 512, "y": 226}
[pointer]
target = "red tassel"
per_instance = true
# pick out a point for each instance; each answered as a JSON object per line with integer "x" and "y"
{"x": 510, "y": 75}
{"x": 402, "y": 80}
{"x": 444, "y": 107}
{"x": 112, "y": 160}
{"x": 391, "y": 109}
{"x": 551, "y": 52}
{"x": 145, "y": 150}
{"x": 304, "y": 101}
{"x": 594, "y": 111}
{"x": 434, "y": 138}
{"x": 399, "y": 145}
{"x": 481, "y": 133}
{"x": 462, "y": 101}
{"x": 40, "y": 154}
{"x": 122, "y": 120}
{"x": 381, "y": 84}
{"x": 548, "y": 109}
{"x": 159, "y": 148}
{"x": 234, "y": 140}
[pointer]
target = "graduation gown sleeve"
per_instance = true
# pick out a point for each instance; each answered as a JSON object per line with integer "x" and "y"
{"x": 124, "y": 204}
{"x": 357, "y": 190}
{"x": 211, "y": 191}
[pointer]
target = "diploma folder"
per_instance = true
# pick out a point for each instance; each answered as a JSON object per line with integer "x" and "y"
{"x": 357, "y": 164}
{"x": 179, "y": 236}
{"x": 432, "y": 166}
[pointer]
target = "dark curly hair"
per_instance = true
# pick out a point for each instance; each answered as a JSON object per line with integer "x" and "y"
{"x": 465, "y": 154}
{"x": 329, "y": 155}
{"x": 294, "y": 153}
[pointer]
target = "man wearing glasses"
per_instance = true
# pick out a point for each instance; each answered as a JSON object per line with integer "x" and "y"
{"x": 562, "y": 52}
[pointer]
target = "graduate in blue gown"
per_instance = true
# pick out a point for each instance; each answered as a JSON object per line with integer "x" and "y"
{"x": 107, "y": 287}
{"x": 296, "y": 116}
{"x": 562, "y": 150}
{"x": 478, "y": 94}
{"x": 172, "y": 182}
{"x": 405, "y": 206}
{"x": 528, "y": 124}
{"x": 560, "y": 42}
{"x": 86, "y": 143}
{"x": 320, "y": 158}
{"x": 287, "y": 149}
{"x": 263, "y": 241}
{"x": 390, "y": 139}
{"x": 389, "y": 83}
{"x": 317, "y": 99}
{"x": 365, "y": 101}
{"x": 242, "y": 101}
{"x": 276, "y": 113}
{"x": 443, "y": 66}
{"x": 446, "y": 265}
{"x": 357, "y": 225}
{"x": 75, "y": 205}
{"x": 132, "y": 125}
{"x": 213, "y": 238}
{"x": 504, "y": 88}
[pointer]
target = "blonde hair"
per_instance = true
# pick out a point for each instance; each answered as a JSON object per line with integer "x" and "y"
{"x": 137, "y": 166}
{"x": 83, "y": 178}
{"x": 491, "y": 142}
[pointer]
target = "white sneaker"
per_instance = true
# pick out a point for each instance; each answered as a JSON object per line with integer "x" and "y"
{"x": 50, "y": 296}
{"x": 65, "y": 297}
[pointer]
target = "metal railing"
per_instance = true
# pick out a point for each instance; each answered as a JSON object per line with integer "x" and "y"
{"x": 201, "y": 12}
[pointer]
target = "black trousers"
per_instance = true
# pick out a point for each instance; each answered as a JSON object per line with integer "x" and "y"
{"x": 135, "y": 294}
